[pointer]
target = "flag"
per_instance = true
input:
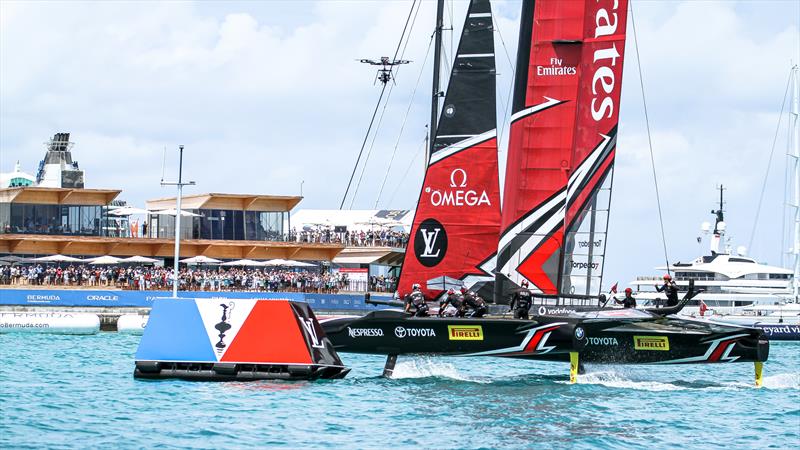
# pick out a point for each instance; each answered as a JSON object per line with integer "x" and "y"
{"x": 614, "y": 288}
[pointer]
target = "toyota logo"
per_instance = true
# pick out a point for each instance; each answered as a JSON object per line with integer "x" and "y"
{"x": 400, "y": 332}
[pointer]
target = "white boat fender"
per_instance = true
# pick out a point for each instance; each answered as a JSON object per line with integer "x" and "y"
{"x": 132, "y": 323}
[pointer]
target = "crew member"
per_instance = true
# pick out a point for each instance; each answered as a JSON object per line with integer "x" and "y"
{"x": 475, "y": 303}
{"x": 670, "y": 289}
{"x": 417, "y": 300}
{"x": 628, "y": 301}
{"x": 455, "y": 299}
{"x": 521, "y": 302}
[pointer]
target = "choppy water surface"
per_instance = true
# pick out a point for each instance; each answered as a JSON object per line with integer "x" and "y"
{"x": 68, "y": 391}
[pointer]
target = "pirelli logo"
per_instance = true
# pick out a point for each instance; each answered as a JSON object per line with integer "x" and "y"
{"x": 651, "y": 343}
{"x": 465, "y": 332}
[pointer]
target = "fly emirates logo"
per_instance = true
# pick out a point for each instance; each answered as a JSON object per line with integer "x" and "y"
{"x": 603, "y": 80}
{"x": 458, "y": 193}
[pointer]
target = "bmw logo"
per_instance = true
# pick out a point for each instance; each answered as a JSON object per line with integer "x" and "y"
{"x": 579, "y": 333}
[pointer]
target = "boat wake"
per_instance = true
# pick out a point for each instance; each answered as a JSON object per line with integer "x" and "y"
{"x": 426, "y": 367}
{"x": 620, "y": 380}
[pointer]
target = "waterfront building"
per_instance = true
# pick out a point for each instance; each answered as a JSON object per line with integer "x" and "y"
{"x": 72, "y": 221}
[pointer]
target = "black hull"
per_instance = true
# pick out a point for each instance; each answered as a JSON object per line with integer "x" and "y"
{"x": 653, "y": 340}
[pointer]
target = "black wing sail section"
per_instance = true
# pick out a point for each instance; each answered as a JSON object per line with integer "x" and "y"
{"x": 457, "y": 222}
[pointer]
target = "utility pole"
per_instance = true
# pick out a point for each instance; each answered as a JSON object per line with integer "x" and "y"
{"x": 180, "y": 184}
{"x": 435, "y": 91}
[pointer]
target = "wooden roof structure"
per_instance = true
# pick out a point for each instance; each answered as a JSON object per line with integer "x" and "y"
{"x": 239, "y": 202}
{"x": 97, "y": 246}
{"x": 58, "y": 196}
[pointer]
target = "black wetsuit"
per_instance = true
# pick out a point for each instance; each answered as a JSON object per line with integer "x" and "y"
{"x": 671, "y": 290}
{"x": 629, "y": 302}
{"x": 475, "y": 303}
{"x": 521, "y": 303}
{"x": 417, "y": 300}
{"x": 456, "y": 300}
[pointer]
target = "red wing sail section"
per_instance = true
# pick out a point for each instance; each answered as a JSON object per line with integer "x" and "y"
{"x": 561, "y": 146}
{"x": 457, "y": 222}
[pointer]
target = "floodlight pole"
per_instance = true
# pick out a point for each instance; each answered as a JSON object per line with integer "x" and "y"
{"x": 180, "y": 184}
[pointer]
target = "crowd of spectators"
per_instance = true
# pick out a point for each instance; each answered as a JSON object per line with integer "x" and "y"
{"x": 160, "y": 278}
{"x": 369, "y": 238}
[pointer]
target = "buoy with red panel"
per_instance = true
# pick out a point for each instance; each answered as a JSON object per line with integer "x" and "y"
{"x": 235, "y": 339}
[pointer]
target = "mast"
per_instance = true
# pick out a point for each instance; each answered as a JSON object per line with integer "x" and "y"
{"x": 179, "y": 184}
{"x": 437, "y": 62}
{"x": 794, "y": 123}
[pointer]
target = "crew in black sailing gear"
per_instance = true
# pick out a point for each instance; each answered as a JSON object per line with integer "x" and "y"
{"x": 417, "y": 300}
{"x": 475, "y": 303}
{"x": 521, "y": 302}
{"x": 453, "y": 298}
{"x": 671, "y": 289}
{"x": 628, "y": 301}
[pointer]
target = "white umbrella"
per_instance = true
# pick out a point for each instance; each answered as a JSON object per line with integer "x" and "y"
{"x": 127, "y": 211}
{"x": 292, "y": 263}
{"x": 243, "y": 262}
{"x": 104, "y": 260}
{"x": 200, "y": 259}
{"x": 171, "y": 212}
{"x": 139, "y": 259}
{"x": 58, "y": 258}
{"x": 286, "y": 263}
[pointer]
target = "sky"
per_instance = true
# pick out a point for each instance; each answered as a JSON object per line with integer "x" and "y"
{"x": 269, "y": 96}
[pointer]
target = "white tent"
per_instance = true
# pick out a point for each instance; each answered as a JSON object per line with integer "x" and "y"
{"x": 139, "y": 259}
{"x": 58, "y": 258}
{"x": 243, "y": 262}
{"x": 171, "y": 212}
{"x": 104, "y": 260}
{"x": 200, "y": 259}
{"x": 127, "y": 211}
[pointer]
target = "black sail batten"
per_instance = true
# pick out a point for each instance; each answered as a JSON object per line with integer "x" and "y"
{"x": 469, "y": 104}
{"x": 523, "y": 56}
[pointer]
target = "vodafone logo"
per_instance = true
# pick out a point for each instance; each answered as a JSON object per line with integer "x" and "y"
{"x": 459, "y": 193}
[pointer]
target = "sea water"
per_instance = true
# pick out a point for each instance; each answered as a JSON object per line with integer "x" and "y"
{"x": 79, "y": 392}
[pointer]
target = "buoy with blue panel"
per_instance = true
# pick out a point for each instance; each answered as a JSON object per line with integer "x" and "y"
{"x": 235, "y": 339}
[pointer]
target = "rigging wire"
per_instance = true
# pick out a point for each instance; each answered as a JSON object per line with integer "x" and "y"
{"x": 506, "y": 106}
{"x": 403, "y": 125}
{"x": 769, "y": 163}
{"x": 649, "y": 138}
{"x": 407, "y": 37}
{"x": 408, "y": 169}
{"x": 374, "y": 113}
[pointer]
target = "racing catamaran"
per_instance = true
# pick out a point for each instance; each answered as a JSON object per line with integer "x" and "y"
{"x": 555, "y": 213}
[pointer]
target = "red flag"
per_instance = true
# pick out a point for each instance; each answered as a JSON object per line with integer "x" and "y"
{"x": 614, "y": 288}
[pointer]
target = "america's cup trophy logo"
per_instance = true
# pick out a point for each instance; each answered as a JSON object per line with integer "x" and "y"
{"x": 223, "y": 326}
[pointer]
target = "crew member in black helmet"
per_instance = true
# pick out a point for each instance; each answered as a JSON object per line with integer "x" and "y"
{"x": 670, "y": 289}
{"x": 521, "y": 302}
{"x": 474, "y": 302}
{"x": 417, "y": 300}
{"x": 628, "y": 301}
{"x": 453, "y": 298}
